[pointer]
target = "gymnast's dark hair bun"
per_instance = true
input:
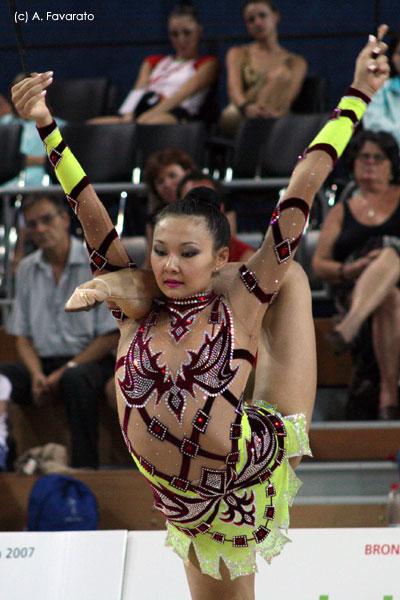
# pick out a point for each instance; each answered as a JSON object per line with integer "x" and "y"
{"x": 204, "y": 195}
{"x": 204, "y": 202}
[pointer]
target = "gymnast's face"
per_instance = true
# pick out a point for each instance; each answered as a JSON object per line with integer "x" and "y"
{"x": 260, "y": 19}
{"x": 184, "y": 34}
{"x": 183, "y": 257}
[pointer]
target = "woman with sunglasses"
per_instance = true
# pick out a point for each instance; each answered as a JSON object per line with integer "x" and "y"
{"x": 218, "y": 467}
{"x": 171, "y": 88}
{"x": 358, "y": 253}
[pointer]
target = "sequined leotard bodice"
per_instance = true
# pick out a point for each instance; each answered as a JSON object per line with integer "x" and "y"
{"x": 186, "y": 433}
{"x": 192, "y": 407}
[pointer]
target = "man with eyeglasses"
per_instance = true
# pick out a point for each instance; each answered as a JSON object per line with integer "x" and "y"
{"x": 65, "y": 356}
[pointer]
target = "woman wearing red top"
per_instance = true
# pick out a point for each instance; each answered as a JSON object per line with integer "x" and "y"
{"x": 171, "y": 88}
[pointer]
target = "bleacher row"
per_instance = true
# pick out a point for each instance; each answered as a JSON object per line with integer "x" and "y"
{"x": 264, "y": 149}
{"x": 77, "y": 100}
{"x": 98, "y": 96}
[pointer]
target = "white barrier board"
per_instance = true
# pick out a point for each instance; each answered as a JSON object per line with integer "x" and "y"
{"x": 87, "y": 565}
{"x": 334, "y": 564}
{"x": 320, "y": 564}
{"x": 153, "y": 571}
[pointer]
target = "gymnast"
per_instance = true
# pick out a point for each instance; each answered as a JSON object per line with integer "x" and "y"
{"x": 218, "y": 467}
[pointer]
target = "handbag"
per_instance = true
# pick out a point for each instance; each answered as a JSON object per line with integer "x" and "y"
{"x": 138, "y": 101}
{"x": 147, "y": 101}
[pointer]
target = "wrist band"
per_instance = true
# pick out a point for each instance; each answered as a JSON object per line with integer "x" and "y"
{"x": 251, "y": 283}
{"x": 352, "y": 91}
{"x": 334, "y": 137}
{"x": 66, "y": 167}
{"x": 46, "y": 130}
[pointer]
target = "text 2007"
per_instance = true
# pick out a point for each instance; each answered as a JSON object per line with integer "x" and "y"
{"x": 25, "y": 552}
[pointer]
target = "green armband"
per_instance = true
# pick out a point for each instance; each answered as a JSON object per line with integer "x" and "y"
{"x": 334, "y": 137}
{"x": 74, "y": 180}
{"x": 67, "y": 169}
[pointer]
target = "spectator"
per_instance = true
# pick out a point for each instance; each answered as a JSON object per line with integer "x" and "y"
{"x": 358, "y": 253}
{"x": 162, "y": 174}
{"x": 171, "y": 88}
{"x": 383, "y": 113}
{"x": 34, "y": 170}
{"x": 263, "y": 77}
{"x": 62, "y": 356}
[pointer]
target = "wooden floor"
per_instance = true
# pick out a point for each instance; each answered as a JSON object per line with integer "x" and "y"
{"x": 364, "y": 440}
{"x": 124, "y": 499}
{"x": 126, "y": 502}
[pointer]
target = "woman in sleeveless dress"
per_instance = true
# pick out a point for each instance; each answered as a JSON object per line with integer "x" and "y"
{"x": 263, "y": 78}
{"x": 358, "y": 253}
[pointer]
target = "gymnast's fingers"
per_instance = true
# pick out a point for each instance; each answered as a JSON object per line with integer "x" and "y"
{"x": 32, "y": 83}
{"x": 382, "y": 67}
{"x": 382, "y": 31}
{"x": 379, "y": 47}
{"x": 29, "y": 90}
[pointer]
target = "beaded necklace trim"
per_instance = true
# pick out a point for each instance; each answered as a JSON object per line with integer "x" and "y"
{"x": 183, "y": 312}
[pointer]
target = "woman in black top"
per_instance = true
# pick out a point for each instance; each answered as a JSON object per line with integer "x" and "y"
{"x": 358, "y": 253}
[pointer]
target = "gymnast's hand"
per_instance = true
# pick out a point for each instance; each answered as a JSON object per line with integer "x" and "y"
{"x": 372, "y": 68}
{"x": 131, "y": 290}
{"x": 28, "y": 97}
